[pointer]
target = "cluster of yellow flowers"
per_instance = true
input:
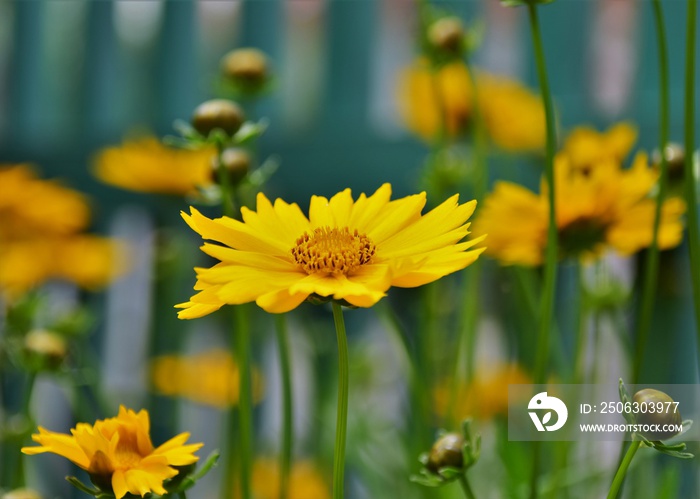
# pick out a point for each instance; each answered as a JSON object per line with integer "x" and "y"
{"x": 512, "y": 115}
{"x": 600, "y": 205}
{"x": 210, "y": 378}
{"x": 42, "y": 238}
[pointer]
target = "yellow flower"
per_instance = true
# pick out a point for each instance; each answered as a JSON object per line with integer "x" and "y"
{"x": 305, "y": 481}
{"x": 209, "y": 378}
{"x": 346, "y": 250}
{"x": 486, "y": 396}
{"x": 513, "y": 115}
{"x": 587, "y": 147}
{"x": 146, "y": 165}
{"x": 419, "y": 91}
{"x": 118, "y": 453}
{"x": 30, "y": 205}
{"x": 88, "y": 261}
{"x": 599, "y": 208}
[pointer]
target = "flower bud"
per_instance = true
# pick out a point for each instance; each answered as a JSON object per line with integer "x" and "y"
{"x": 446, "y": 452}
{"x": 218, "y": 113}
{"x": 47, "y": 346}
{"x": 236, "y": 161}
{"x": 675, "y": 159}
{"x": 247, "y": 67}
{"x": 656, "y": 408}
{"x": 447, "y": 35}
{"x": 21, "y": 494}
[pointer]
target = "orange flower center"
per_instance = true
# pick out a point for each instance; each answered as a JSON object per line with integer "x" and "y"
{"x": 333, "y": 250}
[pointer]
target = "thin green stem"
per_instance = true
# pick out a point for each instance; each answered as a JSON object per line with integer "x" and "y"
{"x": 287, "y": 413}
{"x": 581, "y": 329}
{"x": 466, "y": 488}
{"x": 342, "y": 414}
{"x": 550, "y": 268}
{"x": 16, "y": 463}
{"x": 182, "y": 495}
{"x": 245, "y": 402}
{"x": 651, "y": 268}
{"x": 227, "y": 190}
{"x": 622, "y": 470}
{"x": 691, "y": 182}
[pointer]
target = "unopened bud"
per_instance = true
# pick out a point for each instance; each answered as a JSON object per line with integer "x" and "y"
{"x": 446, "y": 452}
{"x": 45, "y": 345}
{"x": 236, "y": 161}
{"x": 223, "y": 114}
{"x": 247, "y": 67}
{"x": 657, "y": 408}
{"x": 447, "y": 35}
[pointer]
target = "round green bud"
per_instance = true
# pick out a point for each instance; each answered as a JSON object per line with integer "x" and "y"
{"x": 47, "y": 346}
{"x": 246, "y": 66}
{"x": 235, "y": 160}
{"x": 446, "y": 452}
{"x": 675, "y": 159}
{"x": 656, "y": 408}
{"x": 447, "y": 35}
{"x": 218, "y": 113}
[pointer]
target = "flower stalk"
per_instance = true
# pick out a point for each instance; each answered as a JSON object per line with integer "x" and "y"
{"x": 342, "y": 413}
{"x": 651, "y": 269}
{"x": 551, "y": 253}
{"x": 622, "y": 470}
{"x": 287, "y": 412}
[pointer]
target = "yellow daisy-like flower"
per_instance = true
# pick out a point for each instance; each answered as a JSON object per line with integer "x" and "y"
{"x": 346, "y": 250}
{"x": 147, "y": 165}
{"x": 209, "y": 377}
{"x": 89, "y": 261}
{"x": 486, "y": 396}
{"x": 587, "y": 147}
{"x": 31, "y": 205}
{"x": 512, "y": 114}
{"x": 599, "y": 208}
{"x": 305, "y": 481}
{"x": 118, "y": 453}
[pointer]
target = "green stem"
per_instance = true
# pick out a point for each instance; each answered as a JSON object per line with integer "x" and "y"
{"x": 690, "y": 181}
{"x": 622, "y": 470}
{"x": 651, "y": 268}
{"x": 550, "y": 269}
{"x": 466, "y": 488}
{"x": 245, "y": 402}
{"x": 16, "y": 476}
{"x": 287, "y": 414}
{"x": 581, "y": 329}
{"x": 227, "y": 191}
{"x": 342, "y": 414}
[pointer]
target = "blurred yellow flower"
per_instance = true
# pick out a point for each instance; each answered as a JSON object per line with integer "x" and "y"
{"x": 587, "y": 147}
{"x": 30, "y": 205}
{"x": 89, "y": 261}
{"x": 147, "y": 165}
{"x": 512, "y": 114}
{"x": 346, "y": 250}
{"x": 486, "y": 396}
{"x": 605, "y": 207}
{"x": 305, "y": 481}
{"x": 118, "y": 453}
{"x": 210, "y": 378}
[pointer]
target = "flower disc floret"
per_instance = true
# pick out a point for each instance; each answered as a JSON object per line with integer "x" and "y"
{"x": 333, "y": 250}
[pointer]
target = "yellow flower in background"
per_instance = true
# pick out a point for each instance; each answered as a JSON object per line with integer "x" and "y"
{"x": 305, "y": 481}
{"x": 118, "y": 453}
{"x": 147, "y": 165}
{"x": 346, "y": 250}
{"x": 512, "y": 114}
{"x": 89, "y": 261}
{"x": 486, "y": 396}
{"x": 31, "y": 205}
{"x": 209, "y": 378}
{"x": 586, "y": 147}
{"x": 599, "y": 208}
{"x": 420, "y": 87}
